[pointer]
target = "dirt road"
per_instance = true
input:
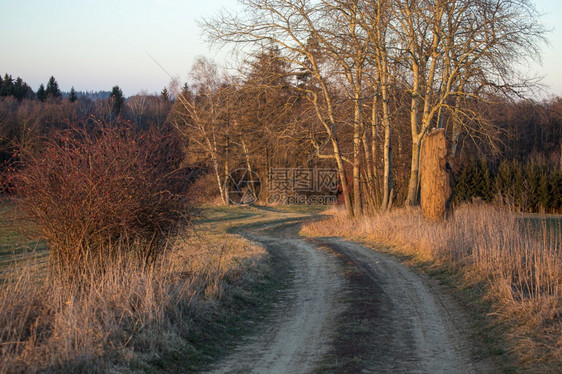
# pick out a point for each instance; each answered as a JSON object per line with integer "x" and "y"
{"x": 400, "y": 321}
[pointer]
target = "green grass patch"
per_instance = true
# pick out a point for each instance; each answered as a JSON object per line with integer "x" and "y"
{"x": 14, "y": 245}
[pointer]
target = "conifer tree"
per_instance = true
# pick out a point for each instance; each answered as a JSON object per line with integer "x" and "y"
{"x": 7, "y": 86}
{"x": 117, "y": 100}
{"x": 41, "y": 93}
{"x": 482, "y": 181}
{"x": 165, "y": 95}
{"x": 72, "y": 97}
{"x": 53, "y": 89}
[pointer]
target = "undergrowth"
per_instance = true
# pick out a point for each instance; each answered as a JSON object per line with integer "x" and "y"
{"x": 131, "y": 318}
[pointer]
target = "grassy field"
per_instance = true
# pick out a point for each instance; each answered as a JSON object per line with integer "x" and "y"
{"x": 14, "y": 246}
{"x": 551, "y": 223}
{"x": 178, "y": 316}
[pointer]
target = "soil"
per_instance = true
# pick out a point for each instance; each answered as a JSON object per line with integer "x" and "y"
{"x": 351, "y": 309}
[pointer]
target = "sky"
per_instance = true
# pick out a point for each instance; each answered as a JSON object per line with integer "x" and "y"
{"x": 140, "y": 45}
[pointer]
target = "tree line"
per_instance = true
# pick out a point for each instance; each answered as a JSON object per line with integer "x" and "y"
{"x": 259, "y": 119}
{"x": 368, "y": 69}
{"x": 373, "y": 77}
{"x": 534, "y": 186}
{"x": 356, "y": 86}
{"x": 27, "y": 122}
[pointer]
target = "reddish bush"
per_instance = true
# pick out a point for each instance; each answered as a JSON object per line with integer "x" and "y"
{"x": 97, "y": 192}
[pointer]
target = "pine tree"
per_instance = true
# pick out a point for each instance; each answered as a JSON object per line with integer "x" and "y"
{"x": 556, "y": 190}
{"x": 482, "y": 181}
{"x": 117, "y": 100}
{"x": 508, "y": 182}
{"x": 7, "y": 86}
{"x": 165, "y": 95}
{"x": 461, "y": 190}
{"x": 543, "y": 189}
{"x": 72, "y": 97}
{"x": 20, "y": 89}
{"x": 41, "y": 93}
{"x": 186, "y": 93}
{"x": 52, "y": 89}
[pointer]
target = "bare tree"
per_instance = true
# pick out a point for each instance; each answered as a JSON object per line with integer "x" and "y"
{"x": 458, "y": 49}
{"x": 200, "y": 118}
{"x": 442, "y": 56}
{"x": 297, "y": 29}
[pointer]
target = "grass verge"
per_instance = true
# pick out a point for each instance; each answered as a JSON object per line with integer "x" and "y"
{"x": 13, "y": 245}
{"x": 179, "y": 315}
{"x": 508, "y": 274}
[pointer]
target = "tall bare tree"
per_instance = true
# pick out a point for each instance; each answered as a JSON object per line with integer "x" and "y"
{"x": 201, "y": 116}
{"x": 440, "y": 57}
{"x": 457, "y": 48}
{"x": 297, "y": 29}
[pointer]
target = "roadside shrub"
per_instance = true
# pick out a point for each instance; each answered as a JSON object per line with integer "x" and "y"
{"x": 98, "y": 192}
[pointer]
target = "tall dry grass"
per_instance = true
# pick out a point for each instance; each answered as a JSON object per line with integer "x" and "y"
{"x": 128, "y": 317}
{"x": 520, "y": 266}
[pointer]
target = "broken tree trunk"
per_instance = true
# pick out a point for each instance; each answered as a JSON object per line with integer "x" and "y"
{"x": 436, "y": 177}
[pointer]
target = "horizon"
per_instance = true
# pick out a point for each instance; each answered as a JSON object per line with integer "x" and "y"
{"x": 142, "y": 46}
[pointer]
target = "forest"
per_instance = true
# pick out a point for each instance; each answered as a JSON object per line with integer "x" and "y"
{"x": 347, "y": 86}
{"x": 262, "y": 118}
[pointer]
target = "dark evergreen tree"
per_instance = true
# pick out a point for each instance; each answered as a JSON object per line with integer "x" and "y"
{"x": 532, "y": 181}
{"x": 556, "y": 190}
{"x": 186, "y": 93}
{"x": 508, "y": 182}
{"x": 72, "y": 97}
{"x": 462, "y": 190}
{"x": 165, "y": 95}
{"x": 543, "y": 189}
{"x": 117, "y": 100}
{"x": 53, "y": 89}
{"x": 41, "y": 93}
{"x": 22, "y": 90}
{"x": 482, "y": 181}
{"x": 7, "y": 86}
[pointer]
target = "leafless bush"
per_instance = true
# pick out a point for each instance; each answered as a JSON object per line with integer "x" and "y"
{"x": 98, "y": 192}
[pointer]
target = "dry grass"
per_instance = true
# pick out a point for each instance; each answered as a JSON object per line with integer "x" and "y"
{"x": 520, "y": 266}
{"x": 129, "y": 317}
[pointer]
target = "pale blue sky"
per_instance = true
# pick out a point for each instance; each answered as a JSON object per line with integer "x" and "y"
{"x": 96, "y": 44}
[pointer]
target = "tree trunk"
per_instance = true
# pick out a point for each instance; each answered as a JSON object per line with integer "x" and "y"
{"x": 249, "y": 167}
{"x": 413, "y": 184}
{"x": 387, "y": 182}
{"x": 357, "y": 129}
{"x": 222, "y": 190}
{"x": 343, "y": 180}
{"x": 436, "y": 180}
{"x": 387, "y": 153}
{"x": 226, "y": 198}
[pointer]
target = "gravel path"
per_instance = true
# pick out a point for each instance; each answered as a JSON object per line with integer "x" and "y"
{"x": 415, "y": 327}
